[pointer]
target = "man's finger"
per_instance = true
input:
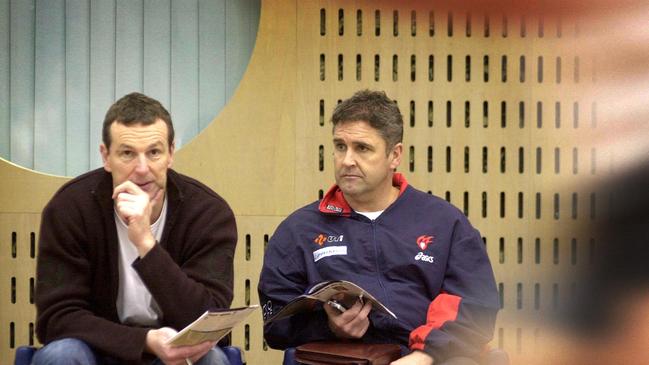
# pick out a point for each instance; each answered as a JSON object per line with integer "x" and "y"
{"x": 181, "y": 353}
{"x": 123, "y": 196}
{"x": 367, "y": 307}
{"x": 199, "y": 350}
{"x": 361, "y": 316}
{"x": 127, "y": 186}
{"x": 126, "y": 214}
{"x": 331, "y": 311}
{"x": 353, "y": 311}
{"x": 200, "y": 355}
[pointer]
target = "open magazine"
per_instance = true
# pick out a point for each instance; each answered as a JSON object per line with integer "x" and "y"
{"x": 323, "y": 292}
{"x": 211, "y": 326}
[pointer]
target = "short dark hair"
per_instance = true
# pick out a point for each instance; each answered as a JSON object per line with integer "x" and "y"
{"x": 377, "y": 109}
{"x": 136, "y": 108}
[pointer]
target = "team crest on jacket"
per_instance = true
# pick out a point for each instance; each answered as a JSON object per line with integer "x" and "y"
{"x": 424, "y": 241}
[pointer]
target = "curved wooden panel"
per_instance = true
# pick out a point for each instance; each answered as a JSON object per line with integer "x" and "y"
{"x": 247, "y": 153}
{"x": 258, "y": 121}
{"x": 23, "y": 193}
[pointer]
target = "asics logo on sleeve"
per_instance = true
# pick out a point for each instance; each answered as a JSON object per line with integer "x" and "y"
{"x": 422, "y": 242}
{"x": 423, "y": 257}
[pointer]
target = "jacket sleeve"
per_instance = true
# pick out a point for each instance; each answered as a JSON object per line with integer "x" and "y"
{"x": 63, "y": 289}
{"x": 201, "y": 276}
{"x": 461, "y": 319}
{"x": 283, "y": 277}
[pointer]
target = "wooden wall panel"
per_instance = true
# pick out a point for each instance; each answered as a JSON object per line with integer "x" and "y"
{"x": 496, "y": 136}
{"x": 254, "y": 232}
{"x": 18, "y": 235}
{"x": 479, "y": 111}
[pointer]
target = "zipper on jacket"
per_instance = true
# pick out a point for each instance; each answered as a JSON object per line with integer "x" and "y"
{"x": 376, "y": 259}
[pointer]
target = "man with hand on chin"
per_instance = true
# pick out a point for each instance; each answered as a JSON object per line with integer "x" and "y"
{"x": 414, "y": 252}
{"x": 133, "y": 252}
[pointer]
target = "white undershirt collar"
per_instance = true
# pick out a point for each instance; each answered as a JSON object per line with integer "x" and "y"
{"x": 372, "y": 215}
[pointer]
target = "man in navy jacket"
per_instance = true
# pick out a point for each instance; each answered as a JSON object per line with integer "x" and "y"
{"x": 414, "y": 252}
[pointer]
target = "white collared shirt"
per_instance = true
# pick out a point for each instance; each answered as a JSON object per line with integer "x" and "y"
{"x": 371, "y": 215}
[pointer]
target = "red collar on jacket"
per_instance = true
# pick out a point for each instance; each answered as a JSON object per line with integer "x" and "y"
{"x": 334, "y": 201}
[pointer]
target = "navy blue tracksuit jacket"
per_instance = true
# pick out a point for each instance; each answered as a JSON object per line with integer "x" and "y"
{"x": 420, "y": 257}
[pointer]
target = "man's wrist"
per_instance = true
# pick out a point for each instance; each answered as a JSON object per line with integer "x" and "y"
{"x": 149, "y": 341}
{"x": 145, "y": 246}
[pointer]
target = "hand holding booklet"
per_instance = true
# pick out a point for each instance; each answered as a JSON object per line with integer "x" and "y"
{"x": 211, "y": 326}
{"x": 324, "y": 292}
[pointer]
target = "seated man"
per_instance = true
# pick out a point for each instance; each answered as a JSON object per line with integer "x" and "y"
{"x": 414, "y": 252}
{"x": 131, "y": 253}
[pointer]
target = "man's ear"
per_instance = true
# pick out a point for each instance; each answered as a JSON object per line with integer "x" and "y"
{"x": 395, "y": 155}
{"x": 172, "y": 149}
{"x": 104, "y": 157}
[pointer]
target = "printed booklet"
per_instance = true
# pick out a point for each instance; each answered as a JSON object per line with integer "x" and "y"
{"x": 323, "y": 292}
{"x": 211, "y": 326}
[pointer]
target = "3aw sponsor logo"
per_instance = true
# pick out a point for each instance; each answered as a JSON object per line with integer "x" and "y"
{"x": 322, "y": 238}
